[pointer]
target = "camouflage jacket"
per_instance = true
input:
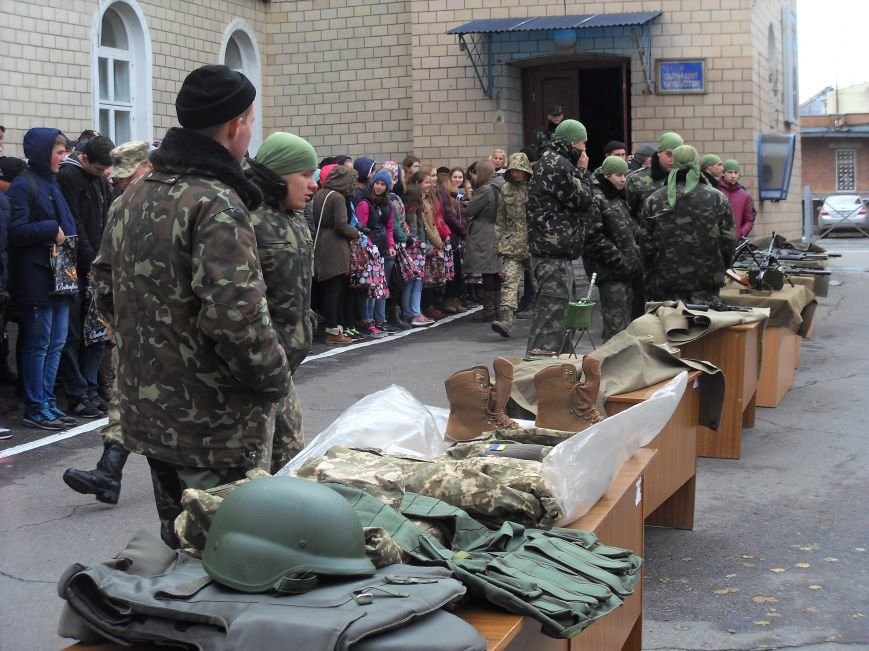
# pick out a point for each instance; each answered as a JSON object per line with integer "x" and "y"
{"x": 558, "y": 194}
{"x": 511, "y": 227}
{"x": 687, "y": 248}
{"x": 286, "y": 253}
{"x": 199, "y": 363}
{"x": 611, "y": 246}
{"x": 641, "y": 184}
{"x": 543, "y": 138}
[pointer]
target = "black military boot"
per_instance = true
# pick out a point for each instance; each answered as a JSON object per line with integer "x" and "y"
{"x": 105, "y": 480}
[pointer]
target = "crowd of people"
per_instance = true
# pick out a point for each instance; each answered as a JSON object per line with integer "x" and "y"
{"x": 212, "y": 270}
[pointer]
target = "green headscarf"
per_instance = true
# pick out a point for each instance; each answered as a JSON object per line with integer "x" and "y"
{"x": 731, "y": 165}
{"x": 684, "y": 158}
{"x": 286, "y": 153}
{"x": 613, "y": 165}
{"x": 708, "y": 161}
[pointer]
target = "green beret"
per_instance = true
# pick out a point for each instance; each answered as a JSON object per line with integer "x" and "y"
{"x": 286, "y": 153}
{"x": 614, "y": 165}
{"x": 670, "y": 140}
{"x": 708, "y": 161}
{"x": 731, "y": 165}
{"x": 571, "y": 131}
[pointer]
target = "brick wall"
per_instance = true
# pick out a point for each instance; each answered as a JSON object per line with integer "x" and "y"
{"x": 819, "y": 163}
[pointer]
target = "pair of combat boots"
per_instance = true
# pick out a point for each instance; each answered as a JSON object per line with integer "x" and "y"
{"x": 563, "y": 402}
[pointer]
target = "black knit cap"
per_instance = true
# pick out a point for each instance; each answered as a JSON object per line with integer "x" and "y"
{"x": 213, "y": 95}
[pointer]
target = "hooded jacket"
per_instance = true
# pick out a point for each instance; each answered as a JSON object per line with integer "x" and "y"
{"x": 332, "y": 232}
{"x": 742, "y": 206}
{"x": 179, "y": 278}
{"x": 558, "y": 194}
{"x": 89, "y": 198}
{"x": 511, "y": 226}
{"x": 34, "y": 223}
{"x": 611, "y": 243}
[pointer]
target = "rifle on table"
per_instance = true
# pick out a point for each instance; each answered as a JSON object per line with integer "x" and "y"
{"x": 716, "y": 306}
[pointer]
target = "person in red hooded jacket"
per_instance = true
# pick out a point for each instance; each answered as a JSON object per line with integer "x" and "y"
{"x": 740, "y": 201}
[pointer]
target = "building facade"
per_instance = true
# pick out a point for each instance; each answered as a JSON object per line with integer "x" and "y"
{"x": 387, "y": 79}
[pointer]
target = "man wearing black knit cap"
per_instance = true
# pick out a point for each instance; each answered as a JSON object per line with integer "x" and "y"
{"x": 199, "y": 364}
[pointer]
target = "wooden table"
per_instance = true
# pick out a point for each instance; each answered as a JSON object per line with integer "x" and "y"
{"x": 616, "y": 519}
{"x": 736, "y": 351}
{"x": 669, "y": 481}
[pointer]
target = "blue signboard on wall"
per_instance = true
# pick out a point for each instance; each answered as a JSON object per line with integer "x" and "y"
{"x": 680, "y": 76}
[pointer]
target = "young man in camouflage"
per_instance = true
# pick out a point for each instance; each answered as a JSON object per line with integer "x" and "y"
{"x": 689, "y": 234}
{"x": 129, "y": 163}
{"x": 641, "y": 184}
{"x": 511, "y": 238}
{"x": 611, "y": 248}
{"x": 200, "y": 366}
{"x": 284, "y": 171}
{"x": 558, "y": 193}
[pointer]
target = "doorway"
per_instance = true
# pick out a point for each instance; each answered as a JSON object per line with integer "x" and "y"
{"x": 594, "y": 92}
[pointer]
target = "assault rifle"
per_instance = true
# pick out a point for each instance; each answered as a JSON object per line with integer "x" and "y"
{"x": 716, "y": 306}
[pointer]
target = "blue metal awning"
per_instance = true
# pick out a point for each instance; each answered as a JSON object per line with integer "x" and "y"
{"x": 475, "y": 37}
{"x": 538, "y": 23}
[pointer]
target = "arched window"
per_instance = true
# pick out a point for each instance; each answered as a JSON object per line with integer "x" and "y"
{"x": 238, "y": 51}
{"x": 122, "y": 72}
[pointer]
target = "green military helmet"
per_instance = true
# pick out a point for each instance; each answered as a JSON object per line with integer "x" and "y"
{"x": 280, "y": 533}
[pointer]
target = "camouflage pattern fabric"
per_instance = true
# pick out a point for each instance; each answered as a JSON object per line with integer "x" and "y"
{"x": 687, "y": 248}
{"x": 511, "y": 227}
{"x": 542, "y": 140}
{"x": 556, "y": 286}
{"x": 289, "y": 438}
{"x": 611, "y": 247}
{"x": 199, "y": 364}
{"x": 558, "y": 194}
{"x": 111, "y": 433}
{"x": 513, "y": 272}
{"x": 616, "y": 298}
{"x": 495, "y": 448}
{"x": 640, "y": 186}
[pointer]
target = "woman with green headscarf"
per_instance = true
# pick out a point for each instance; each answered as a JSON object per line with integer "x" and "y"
{"x": 284, "y": 171}
{"x": 688, "y": 234}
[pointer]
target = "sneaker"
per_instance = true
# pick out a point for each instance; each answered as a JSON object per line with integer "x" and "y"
{"x": 62, "y": 417}
{"x": 99, "y": 403}
{"x": 354, "y": 334}
{"x": 5, "y": 434}
{"x": 434, "y": 313}
{"x": 84, "y": 409}
{"x": 375, "y": 333}
{"x": 420, "y": 321}
{"x": 43, "y": 419}
{"x": 388, "y": 328}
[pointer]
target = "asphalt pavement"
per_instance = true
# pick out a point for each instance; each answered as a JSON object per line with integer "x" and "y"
{"x": 777, "y": 558}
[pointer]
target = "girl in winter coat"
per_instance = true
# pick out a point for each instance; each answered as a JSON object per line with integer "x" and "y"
{"x": 438, "y": 235}
{"x": 481, "y": 257}
{"x": 375, "y": 214}
{"x": 417, "y": 238}
{"x": 454, "y": 216}
{"x": 332, "y": 238}
{"x": 409, "y": 167}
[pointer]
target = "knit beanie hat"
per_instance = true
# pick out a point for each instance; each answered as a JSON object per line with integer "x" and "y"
{"x": 571, "y": 131}
{"x": 212, "y": 95}
{"x": 685, "y": 157}
{"x": 731, "y": 165}
{"x": 708, "y": 161}
{"x": 614, "y": 165}
{"x": 384, "y": 177}
{"x": 670, "y": 140}
{"x": 364, "y": 167}
{"x": 612, "y": 145}
{"x": 286, "y": 153}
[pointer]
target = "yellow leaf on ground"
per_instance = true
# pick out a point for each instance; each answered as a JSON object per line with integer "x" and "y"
{"x": 802, "y": 565}
{"x": 747, "y": 556}
{"x": 815, "y": 587}
{"x": 812, "y": 609}
{"x": 760, "y": 599}
{"x": 762, "y": 622}
{"x": 777, "y": 570}
{"x": 729, "y": 576}
{"x": 831, "y": 559}
{"x": 859, "y": 549}
{"x": 725, "y": 590}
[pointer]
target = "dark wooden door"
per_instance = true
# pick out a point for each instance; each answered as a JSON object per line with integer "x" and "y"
{"x": 544, "y": 87}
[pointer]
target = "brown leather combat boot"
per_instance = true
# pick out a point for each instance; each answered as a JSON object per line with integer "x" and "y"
{"x": 468, "y": 393}
{"x": 565, "y": 404}
{"x": 501, "y": 394}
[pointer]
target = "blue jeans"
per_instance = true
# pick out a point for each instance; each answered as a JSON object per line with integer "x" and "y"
{"x": 366, "y": 306}
{"x": 79, "y": 364}
{"x": 45, "y": 329}
{"x": 380, "y": 303}
{"x": 411, "y": 294}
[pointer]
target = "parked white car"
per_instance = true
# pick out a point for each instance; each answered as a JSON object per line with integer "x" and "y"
{"x": 843, "y": 211}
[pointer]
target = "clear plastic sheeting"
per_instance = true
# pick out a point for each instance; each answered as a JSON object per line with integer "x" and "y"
{"x": 391, "y": 420}
{"x": 580, "y": 469}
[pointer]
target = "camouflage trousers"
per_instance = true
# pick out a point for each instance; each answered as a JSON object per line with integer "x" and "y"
{"x": 513, "y": 272}
{"x": 289, "y": 438}
{"x": 111, "y": 433}
{"x": 170, "y": 481}
{"x": 616, "y": 300}
{"x": 556, "y": 286}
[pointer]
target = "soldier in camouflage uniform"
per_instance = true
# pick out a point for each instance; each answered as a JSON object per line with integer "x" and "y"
{"x": 611, "y": 248}
{"x": 641, "y": 184}
{"x": 543, "y": 137}
{"x": 129, "y": 163}
{"x": 284, "y": 172}
{"x": 690, "y": 236}
{"x": 558, "y": 193}
{"x": 200, "y": 366}
{"x": 511, "y": 238}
